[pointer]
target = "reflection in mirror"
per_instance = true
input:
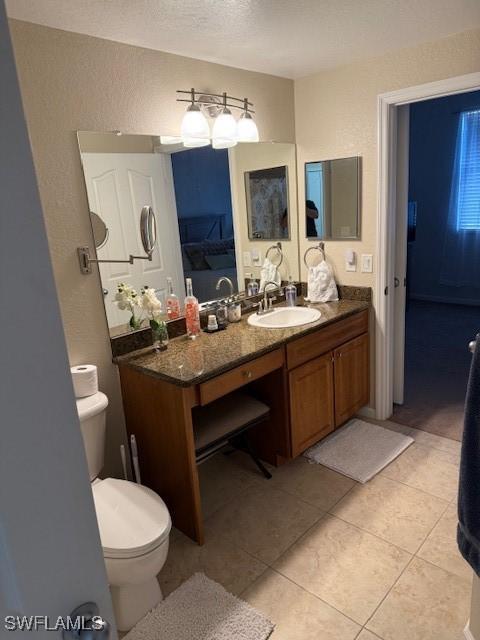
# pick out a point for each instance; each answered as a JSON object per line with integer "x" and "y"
{"x": 198, "y": 199}
{"x": 100, "y": 231}
{"x": 267, "y": 203}
{"x": 332, "y": 206}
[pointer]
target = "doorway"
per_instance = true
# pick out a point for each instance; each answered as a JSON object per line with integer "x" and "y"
{"x": 441, "y": 298}
{"x": 393, "y": 185}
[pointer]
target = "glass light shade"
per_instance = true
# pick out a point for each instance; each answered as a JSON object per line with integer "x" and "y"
{"x": 193, "y": 143}
{"x": 195, "y": 131}
{"x": 224, "y": 132}
{"x": 247, "y": 129}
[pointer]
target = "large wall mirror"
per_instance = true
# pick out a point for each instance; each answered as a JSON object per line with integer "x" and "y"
{"x": 200, "y": 204}
{"x": 332, "y": 207}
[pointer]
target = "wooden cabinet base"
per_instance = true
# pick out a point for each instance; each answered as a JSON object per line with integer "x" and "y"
{"x": 160, "y": 416}
{"x": 328, "y": 382}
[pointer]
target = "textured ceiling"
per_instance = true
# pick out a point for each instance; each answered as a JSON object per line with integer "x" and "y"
{"x": 290, "y": 38}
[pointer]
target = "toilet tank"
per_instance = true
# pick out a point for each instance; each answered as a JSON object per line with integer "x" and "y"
{"x": 92, "y": 412}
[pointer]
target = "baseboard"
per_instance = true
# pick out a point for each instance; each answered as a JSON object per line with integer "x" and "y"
{"x": 367, "y": 412}
{"x": 469, "y": 302}
{"x": 467, "y": 633}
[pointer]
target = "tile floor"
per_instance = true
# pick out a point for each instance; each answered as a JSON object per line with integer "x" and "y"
{"x": 329, "y": 559}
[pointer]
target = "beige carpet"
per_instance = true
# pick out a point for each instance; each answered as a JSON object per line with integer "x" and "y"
{"x": 201, "y": 609}
{"x": 437, "y": 363}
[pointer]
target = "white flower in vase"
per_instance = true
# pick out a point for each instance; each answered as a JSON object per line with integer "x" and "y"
{"x": 153, "y": 307}
{"x": 127, "y": 299}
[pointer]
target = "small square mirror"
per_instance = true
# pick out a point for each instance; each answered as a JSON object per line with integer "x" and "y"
{"x": 332, "y": 207}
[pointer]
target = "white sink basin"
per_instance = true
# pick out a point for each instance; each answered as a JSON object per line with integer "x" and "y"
{"x": 284, "y": 317}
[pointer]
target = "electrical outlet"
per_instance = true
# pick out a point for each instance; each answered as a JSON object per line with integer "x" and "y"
{"x": 247, "y": 259}
{"x": 367, "y": 263}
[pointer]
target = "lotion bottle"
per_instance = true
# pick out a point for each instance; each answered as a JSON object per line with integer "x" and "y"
{"x": 192, "y": 312}
{"x": 173, "y": 303}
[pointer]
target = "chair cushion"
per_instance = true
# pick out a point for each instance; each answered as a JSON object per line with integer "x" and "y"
{"x": 222, "y": 418}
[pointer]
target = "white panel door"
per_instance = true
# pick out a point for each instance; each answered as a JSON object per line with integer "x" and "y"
{"x": 119, "y": 185}
{"x": 403, "y": 129}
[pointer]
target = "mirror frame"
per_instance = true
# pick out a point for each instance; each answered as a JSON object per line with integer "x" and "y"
{"x": 357, "y": 237}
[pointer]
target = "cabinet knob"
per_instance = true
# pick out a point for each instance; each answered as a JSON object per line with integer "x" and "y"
{"x": 247, "y": 374}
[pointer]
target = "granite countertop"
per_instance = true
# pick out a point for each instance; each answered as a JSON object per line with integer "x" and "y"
{"x": 189, "y": 362}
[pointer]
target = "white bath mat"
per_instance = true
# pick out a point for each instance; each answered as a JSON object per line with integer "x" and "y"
{"x": 201, "y": 609}
{"x": 359, "y": 449}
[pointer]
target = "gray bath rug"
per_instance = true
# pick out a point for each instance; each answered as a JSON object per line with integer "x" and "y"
{"x": 359, "y": 449}
{"x": 201, "y": 609}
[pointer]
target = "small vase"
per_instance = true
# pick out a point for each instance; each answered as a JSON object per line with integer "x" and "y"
{"x": 135, "y": 323}
{"x": 159, "y": 334}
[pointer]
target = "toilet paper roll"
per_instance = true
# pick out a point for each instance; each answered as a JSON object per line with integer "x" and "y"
{"x": 85, "y": 380}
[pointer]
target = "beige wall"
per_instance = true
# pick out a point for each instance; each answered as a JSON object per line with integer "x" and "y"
{"x": 336, "y": 116}
{"x": 72, "y": 82}
{"x": 249, "y": 157}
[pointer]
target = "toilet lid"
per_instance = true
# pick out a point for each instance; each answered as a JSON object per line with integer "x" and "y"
{"x": 132, "y": 519}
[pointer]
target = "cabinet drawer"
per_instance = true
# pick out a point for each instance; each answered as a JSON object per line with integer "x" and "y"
{"x": 240, "y": 376}
{"x": 323, "y": 340}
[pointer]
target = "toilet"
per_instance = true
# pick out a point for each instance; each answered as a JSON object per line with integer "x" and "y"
{"x": 134, "y": 524}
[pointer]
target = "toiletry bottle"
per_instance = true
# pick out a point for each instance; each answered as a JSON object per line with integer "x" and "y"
{"x": 192, "y": 313}
{"x": 290, "y": 293}
{"x": 252, "y": 287}
{"x": 173, "y": 303}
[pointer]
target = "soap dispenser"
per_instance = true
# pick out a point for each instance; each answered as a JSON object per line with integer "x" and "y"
{"x": 290, "y": 293}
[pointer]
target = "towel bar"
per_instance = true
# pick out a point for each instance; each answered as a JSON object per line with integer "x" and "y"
{"x": 276, "y": 247}
{"x": 319, "y": 247}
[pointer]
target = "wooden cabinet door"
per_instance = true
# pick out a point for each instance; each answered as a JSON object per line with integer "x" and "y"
{"x": 352, "y": 378}
{"x": 311, "y": 402}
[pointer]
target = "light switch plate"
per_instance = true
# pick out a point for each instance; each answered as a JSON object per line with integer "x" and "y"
{"x": 350, "y": 260}
{"x": 256, "y": 258}
{"x": 247, "y": 259}
{"x": 367, "y": 263}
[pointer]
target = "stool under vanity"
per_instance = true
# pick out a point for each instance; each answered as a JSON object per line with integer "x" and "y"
{"x": 311, "y": 378}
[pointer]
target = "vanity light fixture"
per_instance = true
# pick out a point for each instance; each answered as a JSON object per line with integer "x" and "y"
{"x": 195, "y": 131}
{"x": 224, "y": 134}
{"x": 246, "y": 128}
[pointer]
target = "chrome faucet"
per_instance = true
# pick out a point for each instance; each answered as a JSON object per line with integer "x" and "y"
{"x": 266, "y": 305}
{"x": 227, "y": 281}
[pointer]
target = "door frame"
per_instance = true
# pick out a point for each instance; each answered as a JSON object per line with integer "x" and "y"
{"x": 387, "y": 104}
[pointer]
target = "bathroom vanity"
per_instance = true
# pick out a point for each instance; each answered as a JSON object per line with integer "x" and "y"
{"x": 313, "y": 377}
